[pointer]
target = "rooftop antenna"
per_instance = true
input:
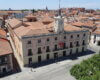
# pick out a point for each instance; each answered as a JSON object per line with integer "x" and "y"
{"x": 59, "y": 3}
{"x": 59, "y": 8}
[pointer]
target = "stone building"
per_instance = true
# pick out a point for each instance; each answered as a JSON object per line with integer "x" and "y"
{"x": 95, "y": 37}
{"x": 40, "y": 40}
{"x": 6, "y": 64}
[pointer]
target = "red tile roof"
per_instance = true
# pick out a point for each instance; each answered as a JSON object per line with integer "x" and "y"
{"x": 38, "y": 28}
{"x": 2, "y": 33}
{"x": 5, "y": 47}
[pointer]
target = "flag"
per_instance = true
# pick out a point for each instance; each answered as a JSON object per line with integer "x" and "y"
{"x": 61, "y": 44}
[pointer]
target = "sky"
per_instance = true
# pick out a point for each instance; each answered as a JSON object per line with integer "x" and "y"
{"x": 51, "y": 4}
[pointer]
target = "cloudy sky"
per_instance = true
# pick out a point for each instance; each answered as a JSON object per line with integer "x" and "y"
{"x": 52, "y": 4}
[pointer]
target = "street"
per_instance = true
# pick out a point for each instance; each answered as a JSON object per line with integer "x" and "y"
{"x": 58, "y": 70}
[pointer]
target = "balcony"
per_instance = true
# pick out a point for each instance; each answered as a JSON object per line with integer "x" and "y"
{"x": 71, "y": 46}
{"x": 60, "y": 49}
{"x": 83, "y": 44}
{"x": 30, "y": 54}
{"x": 48, "y": 50}
{"x": 77, "y": 45}
{"x": 39, "y": 52}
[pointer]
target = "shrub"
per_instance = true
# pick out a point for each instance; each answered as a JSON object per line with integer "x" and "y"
{"x": 88, "y": 69}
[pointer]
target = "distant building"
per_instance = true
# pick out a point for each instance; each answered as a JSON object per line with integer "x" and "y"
{"x": 40, "y": 40}
{"x": 95, "y": 37}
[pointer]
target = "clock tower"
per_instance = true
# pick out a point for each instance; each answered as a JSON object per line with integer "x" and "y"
{"x": 59, "y": 24}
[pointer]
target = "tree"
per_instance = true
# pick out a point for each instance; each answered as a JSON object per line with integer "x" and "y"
{"x": 87, "y": 69}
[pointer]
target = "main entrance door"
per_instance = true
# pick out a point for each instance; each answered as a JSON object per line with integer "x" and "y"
{"x": 64, "y": 53}
{"x": 30, "y": 60}
{"x": 4, "y": 70}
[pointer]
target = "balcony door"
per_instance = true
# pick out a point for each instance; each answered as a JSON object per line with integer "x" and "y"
{"x": 55, "y": 55}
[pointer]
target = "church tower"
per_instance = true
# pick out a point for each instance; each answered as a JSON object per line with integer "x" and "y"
{"x": 59, "y": 22}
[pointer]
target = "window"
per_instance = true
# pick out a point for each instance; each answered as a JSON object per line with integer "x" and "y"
{"x": 71, "y": 36}
{"x": 48, "y": 56}
{"x": 39, "y": 41}
{"x": 77, "y": 43}
{"x": 78, "y": 35}
{"x": 71, "y": 45}
{"x": 39, "y": 50}
{"x": 55, "y": 55}
{"x": 64, "y": 37}
{"x": 48, "y": 39}
{"x": 55, "y": 38}
{"x": 84, "y": 34}
{"x": 30, "y": 60}
{"x": 64, "y": 53}
{"x": 47, "y": 50}
{"x": 4, "y": 59}
{"x": 29, "y": 52}
{"x": 39, "y": 58}
{"x": 4, "y": 70}
{"x": 55, "y": 47}
{"x": 70, "y": 51}
{"x": 29, "y": 42}
{"x": 83, "y": 42}
{"x": 64, "y": 46}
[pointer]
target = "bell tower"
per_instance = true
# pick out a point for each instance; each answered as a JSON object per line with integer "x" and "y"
{"x": 59, "y": 22}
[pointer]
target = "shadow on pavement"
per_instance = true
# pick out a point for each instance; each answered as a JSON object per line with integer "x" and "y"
{"x": 71, "y": 57}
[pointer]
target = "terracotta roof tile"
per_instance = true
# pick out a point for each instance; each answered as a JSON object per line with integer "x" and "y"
{"x": 5, "y": 47}
{"x": 38, "y": 28}
{"x": 2, "y": 33}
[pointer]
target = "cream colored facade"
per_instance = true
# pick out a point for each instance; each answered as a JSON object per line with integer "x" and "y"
{"x": 44, "y": 43}
{"x": 22, "y": 46}
{"x": 33, "y": 48}
{"x": 95, "y": 39}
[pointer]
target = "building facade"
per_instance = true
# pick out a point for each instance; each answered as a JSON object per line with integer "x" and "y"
{"x": 36, "y": 41}
{"x": 95, "y": 38}
{"x": 6, "y": 64}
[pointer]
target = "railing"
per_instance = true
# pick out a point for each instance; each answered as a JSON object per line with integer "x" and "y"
{"x": 60, "y": 49}
{"x": 39, "y": 52}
